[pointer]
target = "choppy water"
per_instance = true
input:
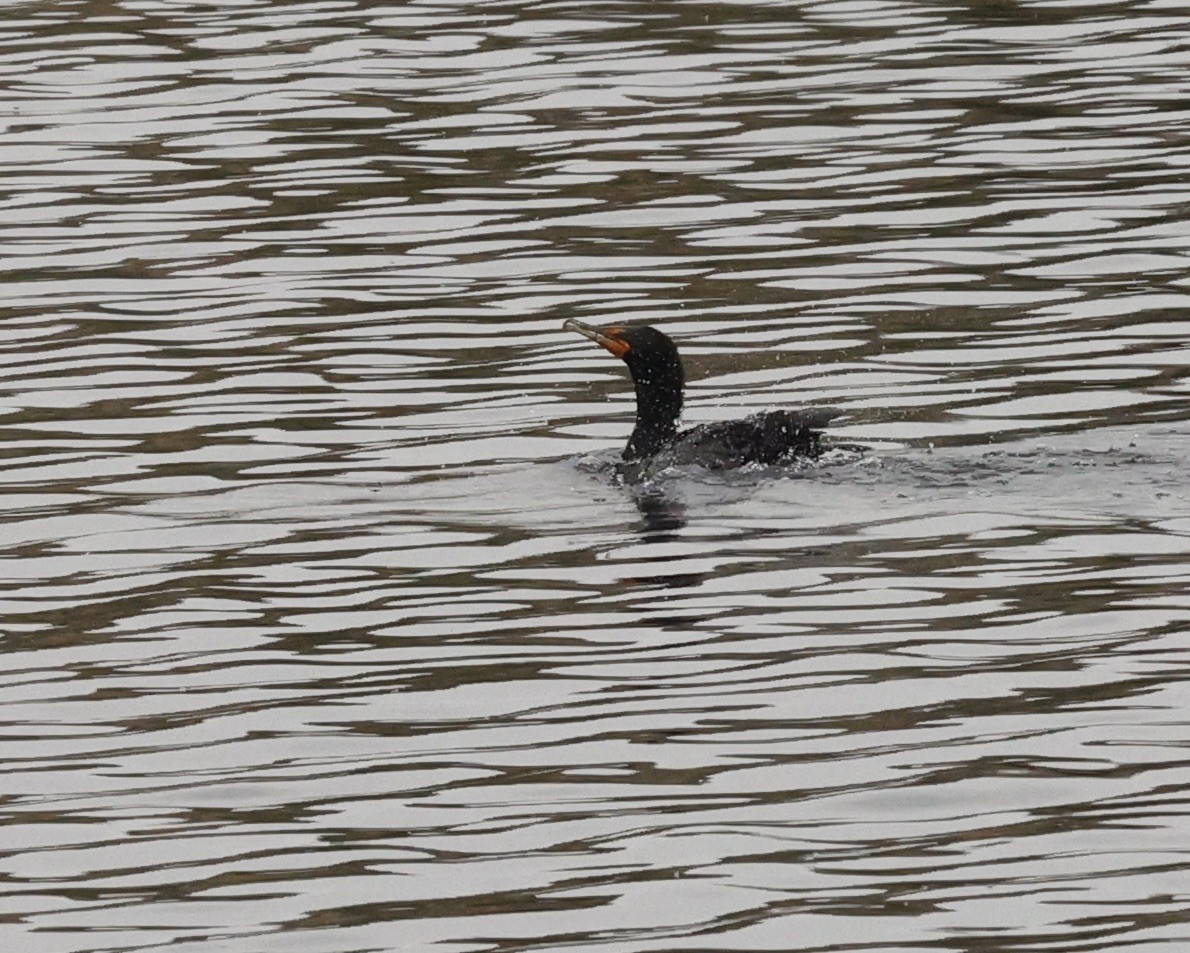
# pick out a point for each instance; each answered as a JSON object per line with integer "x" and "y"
{"x": 324, "y": 627}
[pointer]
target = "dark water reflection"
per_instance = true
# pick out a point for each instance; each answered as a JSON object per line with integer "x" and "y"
{"x": 325, "y": 626}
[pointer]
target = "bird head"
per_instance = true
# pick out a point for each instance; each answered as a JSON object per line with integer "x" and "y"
{"x": 651, "y": 355}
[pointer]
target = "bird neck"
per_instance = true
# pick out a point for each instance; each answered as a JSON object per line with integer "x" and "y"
{"x": 658, "y": 406}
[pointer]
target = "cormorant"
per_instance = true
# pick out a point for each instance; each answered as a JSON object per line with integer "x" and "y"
{"x": 773, "y": 436}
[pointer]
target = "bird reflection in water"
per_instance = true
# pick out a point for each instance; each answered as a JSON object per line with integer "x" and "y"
{"x": 662, "y": 517}
{"x": 661, "y": 514}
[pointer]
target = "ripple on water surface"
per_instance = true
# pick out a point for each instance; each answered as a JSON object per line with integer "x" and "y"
{"x": 325, "y": 623}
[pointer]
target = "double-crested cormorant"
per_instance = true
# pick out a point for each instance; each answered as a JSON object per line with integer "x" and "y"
{"x": 774, "y": 436}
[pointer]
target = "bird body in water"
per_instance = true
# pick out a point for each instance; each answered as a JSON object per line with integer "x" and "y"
{"x": 771, "y": 437}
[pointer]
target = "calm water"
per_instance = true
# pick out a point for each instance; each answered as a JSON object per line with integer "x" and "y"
{"x": 325, "y": 627}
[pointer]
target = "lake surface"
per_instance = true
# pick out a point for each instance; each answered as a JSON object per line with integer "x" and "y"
{"x": 326, "y": 626}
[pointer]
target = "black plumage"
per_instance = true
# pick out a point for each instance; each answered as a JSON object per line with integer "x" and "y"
{"x": 770, "y": 437}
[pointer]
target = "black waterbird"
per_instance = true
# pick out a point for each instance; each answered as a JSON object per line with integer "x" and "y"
{"x": 770, "y": 437}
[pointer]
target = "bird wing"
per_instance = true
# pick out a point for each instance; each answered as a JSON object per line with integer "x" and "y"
{"x": 768, "y": 437}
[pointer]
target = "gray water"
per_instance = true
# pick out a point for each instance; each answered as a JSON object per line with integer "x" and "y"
{"x": 326, "y": 626}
